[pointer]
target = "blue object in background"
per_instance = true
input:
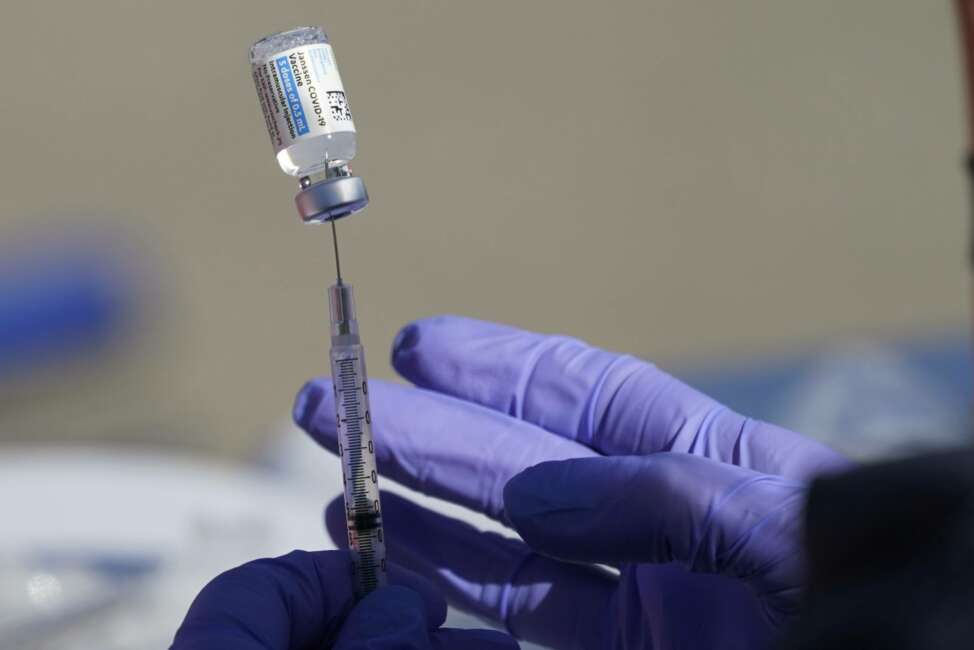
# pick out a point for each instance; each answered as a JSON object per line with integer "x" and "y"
{"x": 869, "y": 400}
{"x": 62, "y": 297}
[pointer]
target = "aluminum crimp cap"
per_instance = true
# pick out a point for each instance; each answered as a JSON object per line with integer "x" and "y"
{"x": 331, "y": 199}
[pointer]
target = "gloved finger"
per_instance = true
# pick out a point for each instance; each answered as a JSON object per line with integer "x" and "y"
{"x": 390, "y": 617}
{"x": 437, "y": 444}
{"x": 711, "y": 517}
{"x": 393, "y": 616}
{"x": 494, "y": 577}
{"x": 432, "y": 598}
{"x": 681, "y": 609}
{"x": 448, "y": 638}
{"x": 296, "y": 600}
{"x": 615, "y": 404}
{"x": 396, "y": 617}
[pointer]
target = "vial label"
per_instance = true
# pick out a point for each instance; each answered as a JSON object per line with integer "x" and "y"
{"x": 301, "y": 94}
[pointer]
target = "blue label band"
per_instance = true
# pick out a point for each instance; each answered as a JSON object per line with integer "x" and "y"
{"x": 291, "y": 94}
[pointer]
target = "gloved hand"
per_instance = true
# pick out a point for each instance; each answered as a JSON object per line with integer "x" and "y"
{"x": 305, "y": 601}
{"x": 592, "y": 457}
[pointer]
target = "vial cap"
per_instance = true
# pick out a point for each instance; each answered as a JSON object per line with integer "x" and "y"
{"x": 331, "y": 199}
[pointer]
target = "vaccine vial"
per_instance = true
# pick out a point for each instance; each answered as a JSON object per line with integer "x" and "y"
{"x": 304, "y": 103}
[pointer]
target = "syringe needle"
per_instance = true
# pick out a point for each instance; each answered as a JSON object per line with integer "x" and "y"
{"x": 334, "y": 241}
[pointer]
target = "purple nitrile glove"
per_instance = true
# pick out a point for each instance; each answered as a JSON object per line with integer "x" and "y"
{"x": 305, "y": 601}
{"x": 593, "y": 457}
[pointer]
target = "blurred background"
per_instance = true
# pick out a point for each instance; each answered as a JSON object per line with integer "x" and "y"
{"x": 766, "y": 198}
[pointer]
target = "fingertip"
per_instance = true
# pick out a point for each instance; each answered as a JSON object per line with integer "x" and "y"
{"x": 523, "y": 502}
{"x": 406, "y": 354}
{"x": 516, "y": 495}
{"x": 539, "y": 490}
{"x": 436, "y": 336}
{"x": 407, "y": 339}
{"x": 393, "y": 614}
{"x": 309, "y": 401}
{"x": 553, "y": 504}
{"x": 433, "y": 600}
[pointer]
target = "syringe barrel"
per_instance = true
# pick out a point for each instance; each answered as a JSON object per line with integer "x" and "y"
{"x": 353, "y": 418}
{"x": 341, "y": 306}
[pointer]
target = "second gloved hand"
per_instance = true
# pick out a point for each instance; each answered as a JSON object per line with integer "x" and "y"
{"x": 593, "y": 457}
{"x": 305, "y": 601}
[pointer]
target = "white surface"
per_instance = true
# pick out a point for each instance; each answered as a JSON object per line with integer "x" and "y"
{"x": 147, "y": 503}
{"x": 72, "y": 514}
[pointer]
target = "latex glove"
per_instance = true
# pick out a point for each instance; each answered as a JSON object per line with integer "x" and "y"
{"x": 305, "y": 601}
{"x": 699, "y": 507}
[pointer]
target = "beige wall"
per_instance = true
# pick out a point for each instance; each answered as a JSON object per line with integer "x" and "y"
{"x": 677, "y": 179}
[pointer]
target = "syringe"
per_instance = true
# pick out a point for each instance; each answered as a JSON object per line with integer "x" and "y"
{"x": 363, "y": 514}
